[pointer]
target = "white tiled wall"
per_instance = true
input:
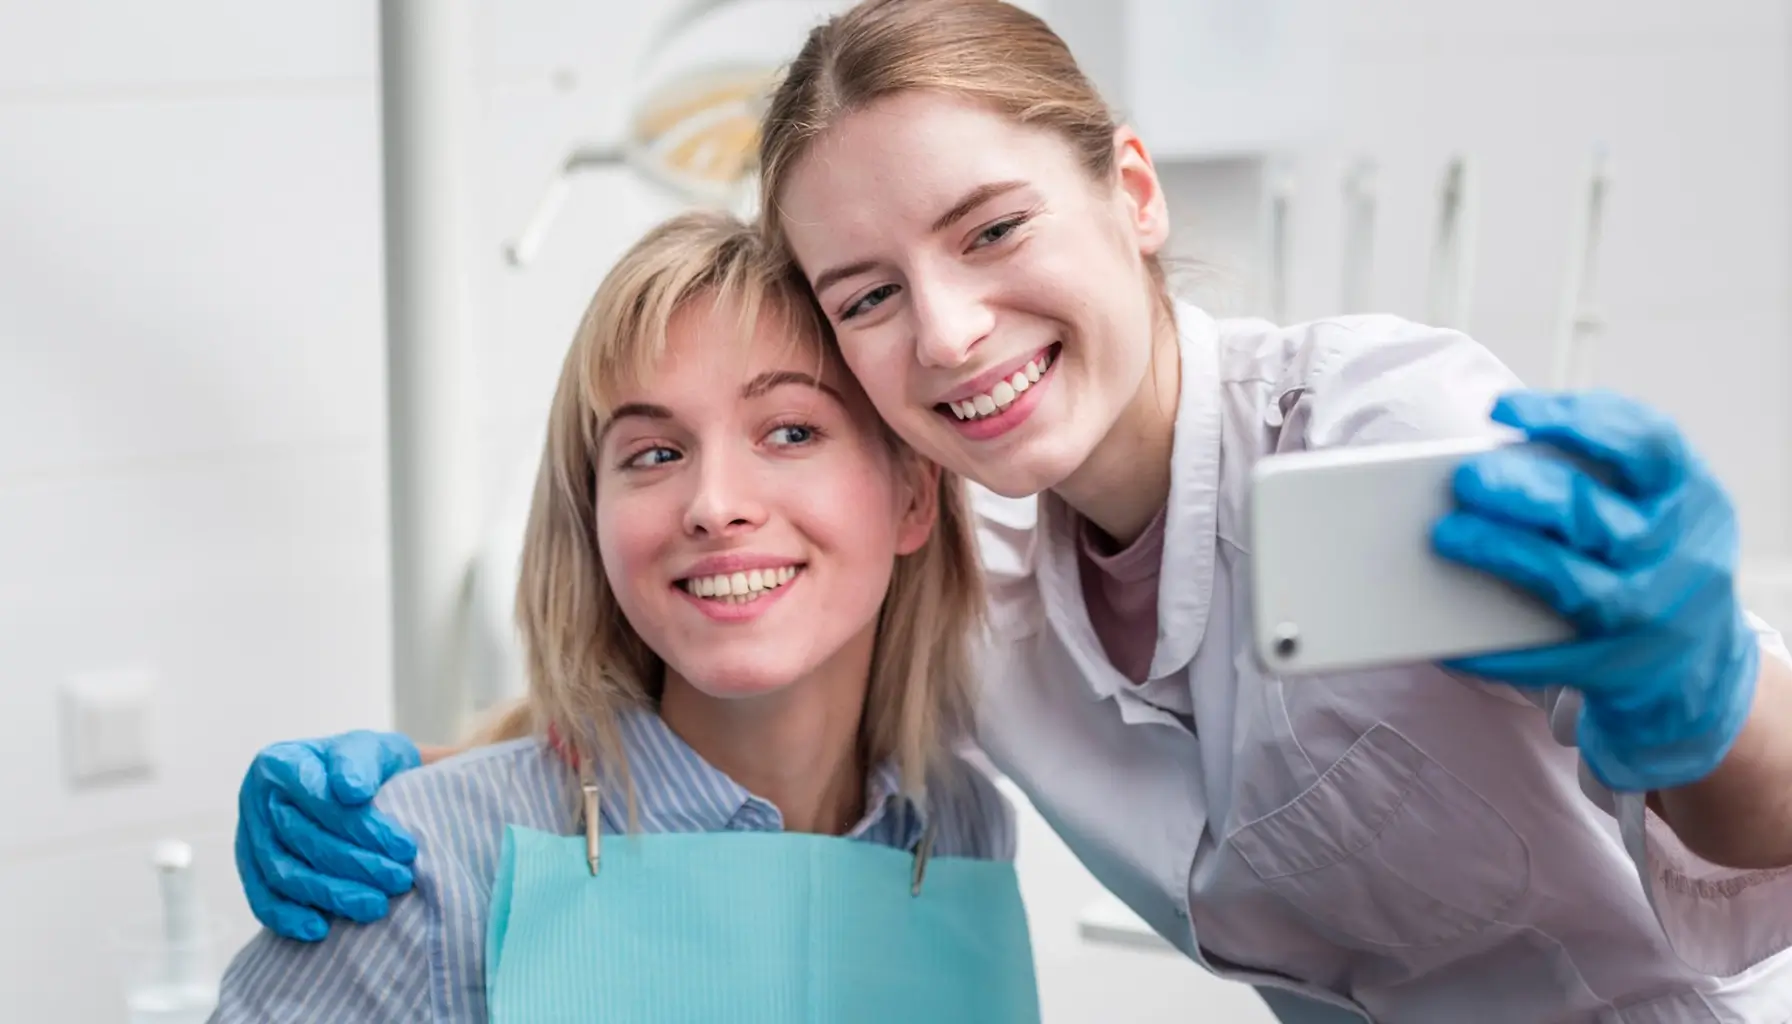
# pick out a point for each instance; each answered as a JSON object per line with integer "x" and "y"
{"x": 191, "y": 375}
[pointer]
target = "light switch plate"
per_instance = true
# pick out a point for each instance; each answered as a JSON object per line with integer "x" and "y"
{"x": 107, "y": 726}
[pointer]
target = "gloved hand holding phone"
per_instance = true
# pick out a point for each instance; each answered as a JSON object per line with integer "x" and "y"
{"x": 1642, "y": 562}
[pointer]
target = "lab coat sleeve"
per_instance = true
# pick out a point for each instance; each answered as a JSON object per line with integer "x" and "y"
{"x": 1378, "y": 379}
{"x": 1721, "y": 921}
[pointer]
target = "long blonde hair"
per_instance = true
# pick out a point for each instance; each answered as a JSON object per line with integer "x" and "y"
{"x": 987, "y": 51}
{"x": 585, "y": 662}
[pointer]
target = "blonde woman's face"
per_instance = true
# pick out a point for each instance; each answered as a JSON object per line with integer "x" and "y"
{"x": 993, "y": 301}
{"x": 748, "y": 514}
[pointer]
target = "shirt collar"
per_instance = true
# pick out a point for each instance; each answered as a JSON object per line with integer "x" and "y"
{"x": 676, "y": 790}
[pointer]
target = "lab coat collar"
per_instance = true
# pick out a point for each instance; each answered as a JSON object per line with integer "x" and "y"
{"x": 1185, "y": 578}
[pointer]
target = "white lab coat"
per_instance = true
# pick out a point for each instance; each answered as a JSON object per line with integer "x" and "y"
{"x": 1414, "y": 846}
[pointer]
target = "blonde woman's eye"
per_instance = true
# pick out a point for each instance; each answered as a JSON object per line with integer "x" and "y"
{"x": 792, "y": 434}
{"x": 650, "y": 458}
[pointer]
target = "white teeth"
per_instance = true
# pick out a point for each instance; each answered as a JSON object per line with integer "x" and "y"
{"x": 1003, "y": 394}
{"x": 735, "y": 588}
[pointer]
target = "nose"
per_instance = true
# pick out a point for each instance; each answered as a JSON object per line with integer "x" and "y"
{"x": 950, "y": 321}
{"x": 725, "y": 502}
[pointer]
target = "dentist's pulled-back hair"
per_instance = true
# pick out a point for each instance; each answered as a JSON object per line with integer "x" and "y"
{"x": 987, "y": 52}
{"x": 585, "y": 662}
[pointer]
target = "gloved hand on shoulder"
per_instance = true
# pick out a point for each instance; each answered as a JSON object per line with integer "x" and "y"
{"x": 309, "y": 843}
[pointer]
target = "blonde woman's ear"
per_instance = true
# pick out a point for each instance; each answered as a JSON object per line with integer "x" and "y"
{"x": 921, "y": 503}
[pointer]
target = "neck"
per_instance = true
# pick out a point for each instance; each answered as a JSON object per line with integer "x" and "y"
{"x": 1126, "y": 479}
{"x": 796, "y": 747}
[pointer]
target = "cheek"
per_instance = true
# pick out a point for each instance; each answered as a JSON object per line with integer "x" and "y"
{"x": 882, "y": 363}
{"x": 628, "y": 538}
{"x": 855, "y": 511}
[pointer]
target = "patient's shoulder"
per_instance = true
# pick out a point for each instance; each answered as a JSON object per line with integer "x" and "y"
{"x": 458, "y": 808}
{"x": 974, "y": 818}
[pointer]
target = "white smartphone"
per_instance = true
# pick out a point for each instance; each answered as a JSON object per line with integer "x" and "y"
{"x": 1343, "y": 575}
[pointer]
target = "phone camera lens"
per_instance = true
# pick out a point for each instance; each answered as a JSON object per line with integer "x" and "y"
{"x": 1287, "y": 640}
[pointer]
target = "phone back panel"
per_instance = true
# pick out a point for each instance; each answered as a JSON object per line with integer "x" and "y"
{"x": 1343, "y": 573}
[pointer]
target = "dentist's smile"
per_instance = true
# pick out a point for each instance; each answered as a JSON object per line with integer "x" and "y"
{"x": 994, "y": 406}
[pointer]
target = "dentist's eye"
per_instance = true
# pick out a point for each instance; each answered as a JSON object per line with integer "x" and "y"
{"x": 997, "y": 232}
{"x": 870, "y": 301}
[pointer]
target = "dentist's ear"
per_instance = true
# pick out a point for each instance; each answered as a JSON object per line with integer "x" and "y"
{"x": 1140, "y": 192}
{"x": 920, "y": 498}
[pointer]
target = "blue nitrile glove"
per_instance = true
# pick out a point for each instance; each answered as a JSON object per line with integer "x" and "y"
{"x": 1643, "y": 564}
{"x": 308, "y": 840}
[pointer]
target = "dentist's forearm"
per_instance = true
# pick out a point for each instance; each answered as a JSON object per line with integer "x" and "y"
{"x": 1740, "y": 816}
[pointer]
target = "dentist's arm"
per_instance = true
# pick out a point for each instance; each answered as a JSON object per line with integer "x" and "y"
{"x": 1740, "y": 815}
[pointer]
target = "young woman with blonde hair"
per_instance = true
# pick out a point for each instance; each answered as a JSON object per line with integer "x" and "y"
{"x": 745, "y": 607}
{"x": 1413, "y": 843}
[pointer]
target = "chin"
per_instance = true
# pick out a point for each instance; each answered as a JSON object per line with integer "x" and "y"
{"x": 1034, "y": 469}
{"x": 734, "y": 683}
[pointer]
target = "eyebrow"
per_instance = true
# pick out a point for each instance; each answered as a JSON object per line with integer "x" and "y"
{"x": 627, "y": 410}
{"x": 960, "y": 210}
{"x": 828, "y": 278}
{"x": 779, "y": 378}
{"x": 974, "y": 198}
{"x": 752, "y": 389}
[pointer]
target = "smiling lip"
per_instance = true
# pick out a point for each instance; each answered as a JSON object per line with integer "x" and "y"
{"x": 988, "y": 427}
{"x": 737, "y": 564}
{"x": 738, "y": 561}
{"x": 746, "y": 611}
{"x": 983, "y": 383}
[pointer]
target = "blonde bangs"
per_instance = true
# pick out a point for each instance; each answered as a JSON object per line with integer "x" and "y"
{"x": 624, "y": 335}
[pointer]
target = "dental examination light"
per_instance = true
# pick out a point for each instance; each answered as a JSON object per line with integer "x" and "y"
{"x": 693, "y": 131}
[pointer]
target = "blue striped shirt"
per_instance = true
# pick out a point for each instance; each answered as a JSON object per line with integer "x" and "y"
{"x": 425, "y": 961}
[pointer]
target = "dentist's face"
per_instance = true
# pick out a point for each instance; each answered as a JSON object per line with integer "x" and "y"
{"x": 991, "y": 296}
{"x": 749, "y": 511}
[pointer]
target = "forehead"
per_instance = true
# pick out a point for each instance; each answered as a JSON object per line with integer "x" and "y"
{"x": 711, "y": 351}
{"x": 905, "y": 159}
